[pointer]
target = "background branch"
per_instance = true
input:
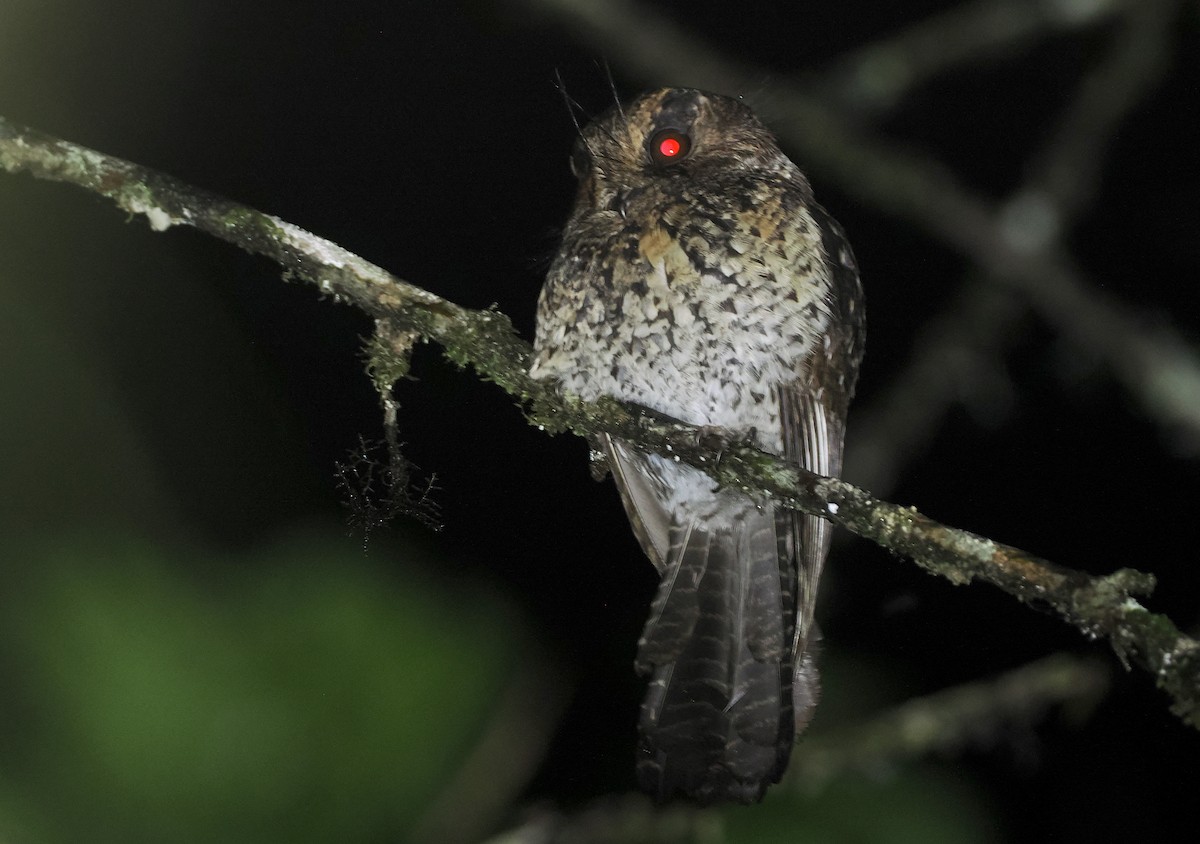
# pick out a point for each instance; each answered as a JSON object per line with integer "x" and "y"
{"x": 1157, "y": 366}
{"x": 972, "y": 715}
{"x": 944, "y": 723}
{"x": 878, "y": 76}
{"x": 1098, "y": 606}
{"x": 957, "y": 359}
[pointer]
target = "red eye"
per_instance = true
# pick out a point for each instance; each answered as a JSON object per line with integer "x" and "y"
{"x": 668, "y": 146}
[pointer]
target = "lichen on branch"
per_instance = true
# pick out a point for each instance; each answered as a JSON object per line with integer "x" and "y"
{"x": 485, "y": 341}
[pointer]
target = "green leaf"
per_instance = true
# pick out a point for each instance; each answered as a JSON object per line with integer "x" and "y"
{"x": 301, "y": 694}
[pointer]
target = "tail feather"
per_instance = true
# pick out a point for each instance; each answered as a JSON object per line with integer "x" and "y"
{"x": 717, "y": 722}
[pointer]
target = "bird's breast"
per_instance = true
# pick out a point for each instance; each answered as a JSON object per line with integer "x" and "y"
{"x": 701, "y": 324}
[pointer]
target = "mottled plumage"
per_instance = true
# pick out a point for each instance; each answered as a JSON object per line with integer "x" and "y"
{"x": 698, "y": 278}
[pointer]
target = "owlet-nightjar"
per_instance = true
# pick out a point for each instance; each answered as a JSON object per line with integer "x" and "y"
{"x": 698, "y": 278}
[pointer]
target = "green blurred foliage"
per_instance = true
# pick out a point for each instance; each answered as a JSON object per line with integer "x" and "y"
{"x": 152, "y": 688}
{"x": 296, "y": 694}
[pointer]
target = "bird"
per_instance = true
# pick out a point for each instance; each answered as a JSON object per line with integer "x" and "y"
{"x": 698, "y": 280}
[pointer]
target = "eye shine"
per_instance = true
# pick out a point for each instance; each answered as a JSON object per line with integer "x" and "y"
{"x": 669, "y": 145}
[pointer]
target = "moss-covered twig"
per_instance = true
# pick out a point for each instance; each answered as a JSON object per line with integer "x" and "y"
{"x": 485, "y": 340}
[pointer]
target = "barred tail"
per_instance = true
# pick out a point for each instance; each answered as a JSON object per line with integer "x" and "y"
{"x": 717, "y": 723}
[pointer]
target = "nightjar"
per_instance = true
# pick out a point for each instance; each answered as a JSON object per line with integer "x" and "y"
{"x": 698, "y": 278}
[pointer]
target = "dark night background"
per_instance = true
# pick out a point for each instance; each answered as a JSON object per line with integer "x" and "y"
{"x": 193, "y": 646}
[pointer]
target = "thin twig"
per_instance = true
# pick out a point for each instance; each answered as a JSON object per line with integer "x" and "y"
{"x": 1098, "y": 606}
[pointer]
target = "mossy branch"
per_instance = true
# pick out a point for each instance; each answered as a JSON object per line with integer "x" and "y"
{"x": 485, "y": 340}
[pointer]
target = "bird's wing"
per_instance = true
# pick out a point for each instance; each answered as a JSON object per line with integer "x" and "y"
{"x": 813, "y": 411}
{"x": 643, "y": 497}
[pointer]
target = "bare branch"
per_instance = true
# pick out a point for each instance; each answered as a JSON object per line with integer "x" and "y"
{"x": 956, "y": 359}
{"x": 1067, "y": 170}
{"x": 1098, "y": 606}
{"x": 876, "y": 78}
{"x": 629, "y": 817}
{"x": 962, "y": 346}
{"x": 969, "y": 715}
{"x": 514, "y": 741}
{"x": 1157, "y": 366}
